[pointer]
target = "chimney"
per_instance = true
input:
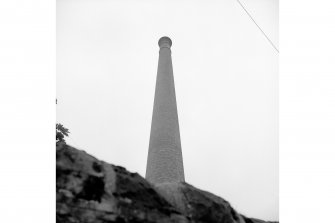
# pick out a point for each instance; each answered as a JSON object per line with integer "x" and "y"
{"x": 165, "y": 160}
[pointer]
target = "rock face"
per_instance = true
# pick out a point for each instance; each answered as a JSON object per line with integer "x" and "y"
{"x": 199, "y": 205}
{"x": 89, "y": 190}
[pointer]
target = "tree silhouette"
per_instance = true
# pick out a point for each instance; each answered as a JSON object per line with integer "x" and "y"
{"x": 61, "y": 132}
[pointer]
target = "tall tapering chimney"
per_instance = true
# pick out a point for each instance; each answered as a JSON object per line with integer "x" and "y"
{"x": 165, "y": 160}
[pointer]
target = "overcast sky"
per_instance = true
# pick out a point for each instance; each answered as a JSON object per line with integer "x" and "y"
{"x": 226, "y": 80}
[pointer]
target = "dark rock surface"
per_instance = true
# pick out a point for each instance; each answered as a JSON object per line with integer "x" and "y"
{"x": 89, "y": 190}
{"x": 198, "y": 205}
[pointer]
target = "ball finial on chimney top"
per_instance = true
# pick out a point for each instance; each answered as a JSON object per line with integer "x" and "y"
{"x": 165, "y": 42}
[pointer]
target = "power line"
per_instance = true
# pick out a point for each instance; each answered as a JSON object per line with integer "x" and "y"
{"x": 258, "y": 26}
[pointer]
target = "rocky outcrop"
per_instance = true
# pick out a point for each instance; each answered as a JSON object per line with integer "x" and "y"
{"x": 198, "y": 205}
{"x": 89, "y": 190}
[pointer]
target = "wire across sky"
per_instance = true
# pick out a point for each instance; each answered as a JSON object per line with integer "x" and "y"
{"x": 258, "y": 26}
